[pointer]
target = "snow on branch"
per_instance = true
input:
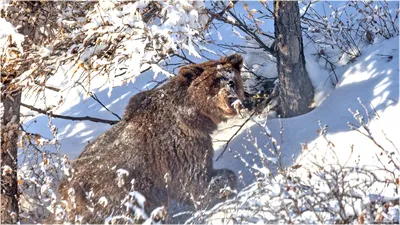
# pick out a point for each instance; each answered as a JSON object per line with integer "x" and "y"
{"x": 116, "y": 41}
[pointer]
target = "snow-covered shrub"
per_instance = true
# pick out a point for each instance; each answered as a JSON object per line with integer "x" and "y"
{"x": 41, "y": 167}
{"x": 350, "y": 25}
{"x": 315, "y": 189}
{"x": 115, "y": 41}
{"x": 10, "y": 47}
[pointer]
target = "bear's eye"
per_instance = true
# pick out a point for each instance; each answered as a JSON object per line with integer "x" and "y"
{"x": 224, "y": 81}
{"x": 221, "y": 79}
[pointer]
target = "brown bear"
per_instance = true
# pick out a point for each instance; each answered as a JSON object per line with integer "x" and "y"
{"x": 161, "y": 148}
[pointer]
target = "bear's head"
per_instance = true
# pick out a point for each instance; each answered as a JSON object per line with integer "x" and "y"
{"x": 215, "y": 86}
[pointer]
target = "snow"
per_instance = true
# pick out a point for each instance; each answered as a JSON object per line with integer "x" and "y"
{"x": 103, "y": 201}
{"x": 369, "y": 85}
{"x": 8, "y": 30}
{"x": 139, "y": 198}
{"x": 121, "y": 174}
{"x": 74, "y": 135}
{"x": 371, "y": 78}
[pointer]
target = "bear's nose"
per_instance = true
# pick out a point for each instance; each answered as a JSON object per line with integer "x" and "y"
{"x": 231, "y": 84}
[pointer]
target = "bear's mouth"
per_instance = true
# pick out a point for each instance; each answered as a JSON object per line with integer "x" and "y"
{"x": 232, "y": 100}
{"x": 234, "y": 104}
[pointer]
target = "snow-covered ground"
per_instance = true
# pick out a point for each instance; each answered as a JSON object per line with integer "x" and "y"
{"x": 316, "y": 153}
{"x": 373, "y": 78}
{"x": 369, "y": 84}
{"x": 74, "y": 135}
{"x": 313, "y": 146}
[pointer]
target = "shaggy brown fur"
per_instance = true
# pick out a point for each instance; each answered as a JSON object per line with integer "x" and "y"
{"x": 164, "y": 130}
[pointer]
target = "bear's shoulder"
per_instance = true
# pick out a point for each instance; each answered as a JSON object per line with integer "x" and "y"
{"x": 137, "y": 102}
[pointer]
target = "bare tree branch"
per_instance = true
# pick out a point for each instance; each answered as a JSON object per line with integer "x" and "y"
{"x": 49, "y": 113}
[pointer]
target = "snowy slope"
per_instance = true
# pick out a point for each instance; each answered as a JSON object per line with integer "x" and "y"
{"x": 368, "y": 86}
{"x": 373, "y": 78}
{"x": 74, "y": 135}
{"x": 326, "y": 181}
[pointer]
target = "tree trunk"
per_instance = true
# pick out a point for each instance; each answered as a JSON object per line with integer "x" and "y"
{"x": 9, "y": 138}
{"x": 296, "y": 89}
{"x": 37, "y": 30}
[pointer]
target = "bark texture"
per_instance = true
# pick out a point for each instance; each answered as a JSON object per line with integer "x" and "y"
{"x": 296, "y": 89}
{"x": 9, "y": 138}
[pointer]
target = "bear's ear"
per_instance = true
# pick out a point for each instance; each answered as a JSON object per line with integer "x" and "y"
{"x": 235, "y": 60}
{"x": 190, "y": 72}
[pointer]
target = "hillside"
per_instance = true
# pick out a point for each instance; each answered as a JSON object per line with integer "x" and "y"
{"x": 369, "y": 84}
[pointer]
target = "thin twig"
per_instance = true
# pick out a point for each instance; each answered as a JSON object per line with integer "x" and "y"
{"x": 234, "y": 135}
{"x": 49, "y": 113}
{"x": 94, "y": 96}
